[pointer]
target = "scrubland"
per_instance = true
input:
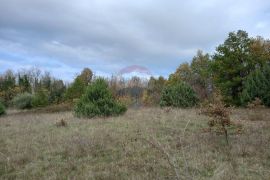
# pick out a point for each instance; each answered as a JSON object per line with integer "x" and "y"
{"x": 144, "y": 143}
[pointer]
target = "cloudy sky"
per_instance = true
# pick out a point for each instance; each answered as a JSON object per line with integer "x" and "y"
{"x": 107, "y": 35}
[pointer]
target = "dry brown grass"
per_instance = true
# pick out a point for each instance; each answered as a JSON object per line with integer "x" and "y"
{"x": 61, "y": 123}
{"x": 256, "y": 110}
{"x": 147, "y": 143}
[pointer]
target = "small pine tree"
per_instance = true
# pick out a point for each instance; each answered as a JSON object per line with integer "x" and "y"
{"x": 257, "y": 85}
{"x": 98, "y": 101}
{"x": 178, "y": 94}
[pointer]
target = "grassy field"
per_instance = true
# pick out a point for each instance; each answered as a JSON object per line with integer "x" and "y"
{"x": 148, "y": 143}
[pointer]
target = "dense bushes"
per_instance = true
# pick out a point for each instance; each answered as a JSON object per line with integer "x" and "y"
{"x": 98, "y": 101}
{"x": 40, "y": 99}
{"x": 152, "y": 93}
{"x": 23, "y": 101}
{"x": 2, "y": 109}
{"x": 75, "y": 90}
{"x": 28, "y": 101}
{"x": 257, "y": 85}
{"x": 179, "y": 94}
{"x": 57, "y": 90}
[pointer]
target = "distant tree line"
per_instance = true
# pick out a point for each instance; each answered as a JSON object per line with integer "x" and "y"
{"x": 239, "y": 69}
{"x": 31, "y": 82}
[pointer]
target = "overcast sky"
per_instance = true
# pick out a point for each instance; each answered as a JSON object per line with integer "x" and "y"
{"x": 107, "y": 35}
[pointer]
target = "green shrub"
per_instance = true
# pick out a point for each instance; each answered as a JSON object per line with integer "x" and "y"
{"x": 2, "y": 109}
{"x": 75, "y": 91}
{"x": 40, "y": 99}
{"x": 257, "y": 85}
{"x": 57, "y": 91}
{"x": 3, "y": 102}
{"x": 178, "y": 94}
{"x": 98, "y": 101}
{"x": 23, "y": 101}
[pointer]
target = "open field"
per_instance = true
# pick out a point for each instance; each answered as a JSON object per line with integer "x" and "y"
{"x": 148, "y": 143}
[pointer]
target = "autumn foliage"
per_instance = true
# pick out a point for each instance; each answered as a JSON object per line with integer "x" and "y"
{"x": 219, "y": 116}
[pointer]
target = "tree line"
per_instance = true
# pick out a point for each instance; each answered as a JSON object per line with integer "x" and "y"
{"x": 239, "y": 69}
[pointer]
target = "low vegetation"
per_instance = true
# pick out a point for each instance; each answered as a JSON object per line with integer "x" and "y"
{"x": 256, "y": 110}
{"x": 23, "y": 101}
{"x": 147, "y": 143}
{"x": 219, "y": 115}
{"x": 178, "y": 94}
{"x": 40, "y": 99}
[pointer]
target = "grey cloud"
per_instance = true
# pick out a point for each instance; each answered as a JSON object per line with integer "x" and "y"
{"x": 108, "y": 35}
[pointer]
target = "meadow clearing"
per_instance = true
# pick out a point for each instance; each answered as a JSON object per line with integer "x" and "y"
{"x": 144, "y": 143}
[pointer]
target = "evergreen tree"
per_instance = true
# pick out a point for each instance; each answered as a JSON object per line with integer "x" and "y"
{"x": 98, "y": 101}
{"x": 232, "y": 62}
{"x": 257, "y": 85}
{"x": 179, "y": 94}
